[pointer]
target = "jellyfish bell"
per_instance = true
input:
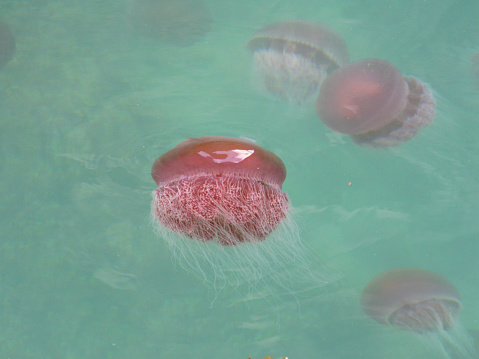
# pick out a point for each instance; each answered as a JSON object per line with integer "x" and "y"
{"x": 178, "y": 23}
{"x": 7, "y": 44}
{"x": 219, "y": 187}
{"x": 421, "y": 302}
{"x": 361, "y": 97}
{"x": 220, "y": 207}
{"x": 292, "y": 58}
{"x": 412, "y": 299}
{"x": 373, "y": 103}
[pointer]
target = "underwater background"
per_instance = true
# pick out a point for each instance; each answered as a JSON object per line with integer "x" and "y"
{"x": 90, "y": 100}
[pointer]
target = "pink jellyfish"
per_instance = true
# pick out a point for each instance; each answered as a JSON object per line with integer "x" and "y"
{"x": 219, "y": 187}
{"x": 421, "y": 302}
{"x": 292, "y": 58}
{"x": 371, "y": 101}
{"x": 220, "y": 206}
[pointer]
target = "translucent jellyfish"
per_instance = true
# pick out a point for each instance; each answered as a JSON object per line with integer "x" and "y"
{"x": 220, "y": 206}
{"x": 423, "y": 303}
{"x": 292, "y": 58}
{"x": 178, "y": 23}
{"x": 7, "y": 44}
{"x": 116, "y": 279}
{"x": 371, "y": 101}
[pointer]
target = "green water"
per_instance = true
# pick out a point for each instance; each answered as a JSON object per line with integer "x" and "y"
{"x": 87, "y": 104}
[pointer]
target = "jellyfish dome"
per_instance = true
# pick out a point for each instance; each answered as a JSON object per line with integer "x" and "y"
{"x": 220, "y": 207}
{"x": 421, "y": 302}
{"x": 412, "y": 299}
{"x": 292, "y": 58}
{"x": 219, "y": 187}
{"x": 7, "y": 44}
{"x": 373, "y": 103}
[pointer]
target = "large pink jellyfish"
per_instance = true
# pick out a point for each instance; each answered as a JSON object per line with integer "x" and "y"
{"x": 220, "y": 207}
{"x": 421, "y": 302}
{"x": 220, "y": 187}
{"x": 371, "y": 101}
{"x": 292, "y": 58}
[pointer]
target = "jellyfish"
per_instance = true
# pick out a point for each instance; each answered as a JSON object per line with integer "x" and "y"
{"x": 7, "y": 44}
{"x": 292, "y": 58}
{"x": 220, "y": 207}
{"x": 218, "y": 187}
{"x": 179, "y": 23}
{"x": 373, "y": 103}
{"x": 423, "y": 303}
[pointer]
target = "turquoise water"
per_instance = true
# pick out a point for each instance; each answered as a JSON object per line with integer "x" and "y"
{"x": 88, "y": 103}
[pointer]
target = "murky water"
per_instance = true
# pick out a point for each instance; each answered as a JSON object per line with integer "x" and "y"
{"x": 94, "y": 94}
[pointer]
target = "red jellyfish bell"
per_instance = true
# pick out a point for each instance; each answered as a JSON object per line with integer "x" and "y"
{"x": 293, "y": 57}
{"x": 421, "y": 302}
{"x": 371, "y": 101}
{"x": 219, "y": 187}
{"x": 220, "y": 207}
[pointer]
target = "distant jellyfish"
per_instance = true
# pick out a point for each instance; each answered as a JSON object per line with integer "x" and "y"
{"x": 7, "y": 44}
{"x": 173, "y": 22}
{"x": 371, "y": 101}
{"x": 292, "y": 58}
{"x": 115, "y": 278}
{"x": 421, "y": 302}
{"x": 220, "y": 207}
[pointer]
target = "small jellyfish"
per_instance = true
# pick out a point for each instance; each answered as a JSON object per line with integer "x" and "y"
{"x": 177, "y": 23}
{"x": 7, "y": 44}
{"x": 373, "y": 103}
{"x": 423, "y": 303}
{"x": 115, "y": 278}
{"x": 220, "y": 207}
{"x": 292, "y": 58}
